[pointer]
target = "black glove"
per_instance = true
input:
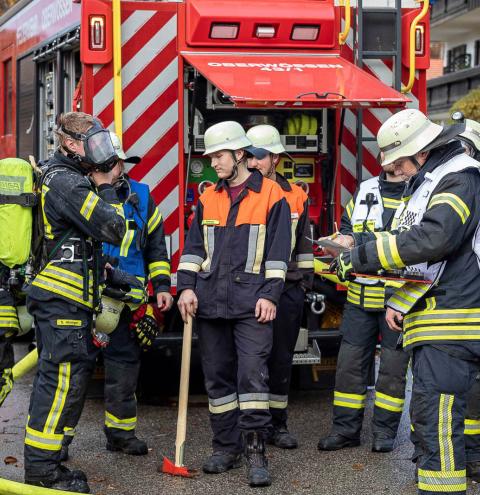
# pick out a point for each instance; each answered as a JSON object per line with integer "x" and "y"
{"x": 122, "y": 280}
{"x": 342, "y": 265}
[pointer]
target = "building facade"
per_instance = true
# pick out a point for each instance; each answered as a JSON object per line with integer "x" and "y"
{"x": 455, "y": 36}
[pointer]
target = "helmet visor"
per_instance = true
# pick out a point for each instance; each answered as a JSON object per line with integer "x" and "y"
{"x": 99, "y": 148}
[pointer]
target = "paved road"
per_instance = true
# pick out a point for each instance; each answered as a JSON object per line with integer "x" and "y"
{"x": 304, "y": 471}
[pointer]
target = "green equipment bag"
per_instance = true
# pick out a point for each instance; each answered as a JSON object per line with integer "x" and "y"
{"x": 17, "y": 199}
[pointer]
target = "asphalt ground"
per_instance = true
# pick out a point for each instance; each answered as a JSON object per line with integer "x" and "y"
{"x": 302, "y": 471}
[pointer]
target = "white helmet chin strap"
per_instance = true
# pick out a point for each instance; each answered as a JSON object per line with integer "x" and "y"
{"x": 271, "y": 170}
{"x": 234, "y": 173}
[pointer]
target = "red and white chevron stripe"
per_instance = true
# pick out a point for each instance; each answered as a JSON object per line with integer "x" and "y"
{"x": 150, "y": 106}
{"x": 372, "y": 119}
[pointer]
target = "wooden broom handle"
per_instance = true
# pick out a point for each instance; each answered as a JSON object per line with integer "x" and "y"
{"x": 183, "y": 394}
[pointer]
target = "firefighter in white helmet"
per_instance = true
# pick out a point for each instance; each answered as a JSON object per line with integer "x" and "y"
{"x": 371, "y": 210}
{"x": 435, "y": 236}
{"x": 265, "y": 156}
{"x": 231, "y": 276}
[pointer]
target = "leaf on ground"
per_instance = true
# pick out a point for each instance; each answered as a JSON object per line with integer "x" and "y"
{"x": 358, "y": 467}
{"x": 10, "y": 460}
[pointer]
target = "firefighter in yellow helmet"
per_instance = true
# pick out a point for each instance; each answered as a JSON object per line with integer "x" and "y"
{"x": 265, "y": 156}
{"x": 436, "y": 236}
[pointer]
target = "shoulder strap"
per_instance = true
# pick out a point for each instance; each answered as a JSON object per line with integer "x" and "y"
{"x": 25, "y": 199}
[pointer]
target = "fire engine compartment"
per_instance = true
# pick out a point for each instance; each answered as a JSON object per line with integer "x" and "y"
{"x": 308, "y": 137}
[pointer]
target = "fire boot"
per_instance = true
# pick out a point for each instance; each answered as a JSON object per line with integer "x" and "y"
{"x": 473, "y": 471}
{"x": 130, "y": 445}
{"x": 61, "y": 479}
{"x": 334, "y": 441}
{"x": 64, "y": 454}
{"x": 282, "y": 438}
{"x": 257, "y": 464}
{"x": 219, "y": 462}
{"x": 382, "y": 443}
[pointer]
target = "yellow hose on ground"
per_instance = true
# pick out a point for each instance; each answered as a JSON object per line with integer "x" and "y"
{"x": 8, "y": 487}
{"x": 321, "y": 267}
{"x": 25, "y": 365}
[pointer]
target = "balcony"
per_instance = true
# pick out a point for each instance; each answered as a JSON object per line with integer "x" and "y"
{"x": 459, "y": 63}
{"x": 444, "y": 91}
{"x": 445, "y": 9}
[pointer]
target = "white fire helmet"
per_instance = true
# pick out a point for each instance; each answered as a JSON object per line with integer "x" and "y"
{"x": 405, "y": 134}
{"x": 227, "y": 135}
{"x": 266, "y": 137}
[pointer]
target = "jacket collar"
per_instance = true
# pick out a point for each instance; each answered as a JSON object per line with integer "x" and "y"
{"x": 282, "y": 182}
{"x": 254, "y": 182}
{"x": 438, "y": 156}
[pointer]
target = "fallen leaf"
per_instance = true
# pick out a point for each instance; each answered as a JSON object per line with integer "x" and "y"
{"x": 10, "y": 460}
{"x": 358, "y": 467}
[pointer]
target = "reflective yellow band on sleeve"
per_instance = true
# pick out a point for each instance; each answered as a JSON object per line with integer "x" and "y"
{"x": 349, "y": 208}
{"x": 472, "y": 426}
{"x": 275, "y": 274}
{"x": 452, "y": 200}
{"x": 305, "y": 264}
{"x": 159, "y": 268}
{"x": 89, "y": 205}
{"x": 154, "y": 220}
{"x": 119, "y": 209}
{"x": 388, "y": 253}
{"x": 192, "y": 267}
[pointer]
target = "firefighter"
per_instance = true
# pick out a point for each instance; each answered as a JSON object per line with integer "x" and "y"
{"x": 143, "y": 253}
{"x": 434, "y": 237}
{"x": 370, "y": 210}
{"x": 78, "y": 213}
{"x": 231, "y": 276}
{"x": 264, "y": 157}
{"x": 470, "y": 140}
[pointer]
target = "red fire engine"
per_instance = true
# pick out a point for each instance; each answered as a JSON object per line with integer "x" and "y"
{"x": 327, "y": 73}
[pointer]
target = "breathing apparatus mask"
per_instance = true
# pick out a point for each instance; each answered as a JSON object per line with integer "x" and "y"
{"x": 100, "y": 154}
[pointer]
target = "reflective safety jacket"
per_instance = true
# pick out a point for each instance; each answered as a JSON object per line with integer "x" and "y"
{"x": 143, "y": 251}
{"x": 371, "y": 209}
{"x": 301, "y": 261}
{"x": 236, "y": 253}
{"x": 448, "y": 311}
{"x": 76, "y": 218}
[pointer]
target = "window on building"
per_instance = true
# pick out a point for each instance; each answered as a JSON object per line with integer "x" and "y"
{"x": 477, "y": 52}
{"x": 457, "y": 58}
{"x": 8, "y": 96}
